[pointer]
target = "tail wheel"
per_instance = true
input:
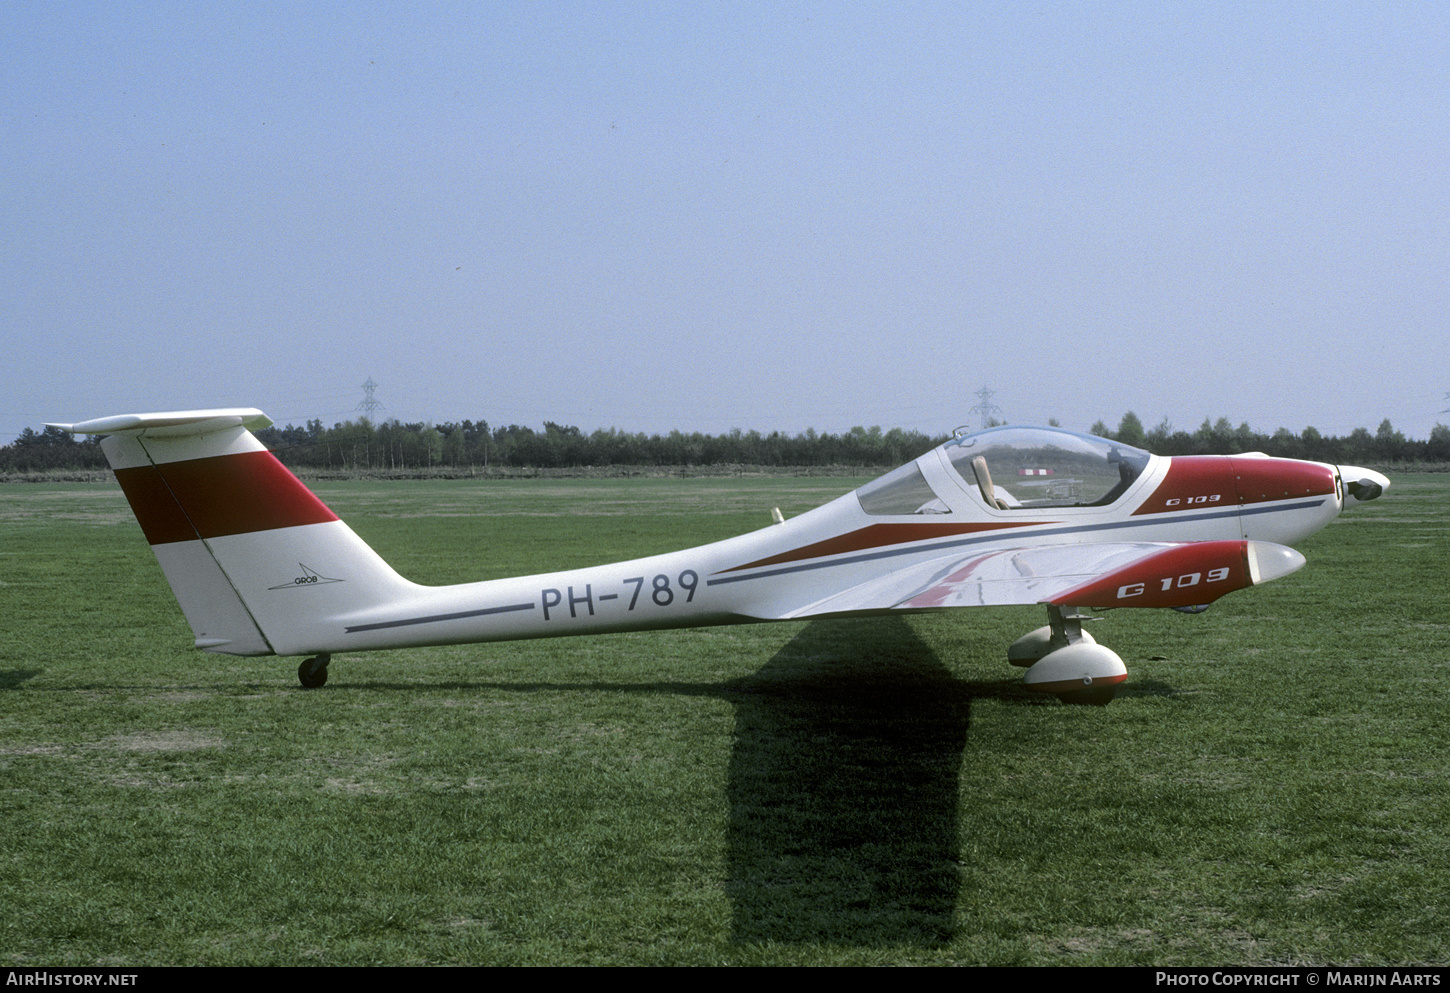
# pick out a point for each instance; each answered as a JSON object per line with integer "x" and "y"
{"x": 313, "y": 672}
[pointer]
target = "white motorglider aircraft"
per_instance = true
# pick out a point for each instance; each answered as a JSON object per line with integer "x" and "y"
{"x": 1008, "y": 515}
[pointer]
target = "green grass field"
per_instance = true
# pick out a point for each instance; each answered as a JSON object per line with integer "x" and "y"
{"x": 1270, "y": 787}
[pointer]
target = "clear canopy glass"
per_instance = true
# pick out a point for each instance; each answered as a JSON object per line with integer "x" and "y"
{"x": 1045, "y": 467}
{"x": 1015, "y": 468}
{"x": 902, "y": 491}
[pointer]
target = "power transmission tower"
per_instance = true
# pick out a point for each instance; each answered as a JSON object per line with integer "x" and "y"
{"x": 369, "y": 403}
{"x": 985, "y": 406}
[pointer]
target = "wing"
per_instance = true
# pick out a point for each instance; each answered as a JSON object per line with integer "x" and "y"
{"x": 1111, "y": 574}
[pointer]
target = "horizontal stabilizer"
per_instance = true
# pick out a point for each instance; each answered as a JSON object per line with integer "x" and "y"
{"x": 172, "y": 424}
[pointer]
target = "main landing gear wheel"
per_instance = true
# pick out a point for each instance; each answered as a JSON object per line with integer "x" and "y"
{"x": 1095, "y": 696}
{"x": 313, "y": 672}
{"x": 1065, "y": 661}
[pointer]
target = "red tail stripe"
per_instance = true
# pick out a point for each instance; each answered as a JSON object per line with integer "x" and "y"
{"x": 161, "y": 519}
{"x": 227, "y": 494}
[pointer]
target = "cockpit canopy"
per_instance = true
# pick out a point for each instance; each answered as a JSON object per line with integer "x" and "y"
{"x": 1047, "y": 467}
{"x": 1016, "y": 468}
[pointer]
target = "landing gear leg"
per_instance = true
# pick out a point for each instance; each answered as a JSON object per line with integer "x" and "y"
{"x": 1067, "y": 625}
{"x": 1065, "y": 629}
{"x": 313, "y": 672}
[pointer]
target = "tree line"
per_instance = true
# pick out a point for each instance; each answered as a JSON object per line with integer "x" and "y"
{"x": 395, "y": 445}
{"x": 1385, "y": 445}
{"x": 362, "y": 445}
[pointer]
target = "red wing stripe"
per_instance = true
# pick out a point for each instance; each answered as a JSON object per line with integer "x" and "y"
{"x": 1182, "y": 576}
{"x": 938, "y": 594}
{"x": 212, "y": 497}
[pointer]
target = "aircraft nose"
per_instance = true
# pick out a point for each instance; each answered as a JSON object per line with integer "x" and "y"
{"x": 1363, "y": 484}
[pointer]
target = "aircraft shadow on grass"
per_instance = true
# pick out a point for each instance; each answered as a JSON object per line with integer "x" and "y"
{"x": 843, "y": 783}
{"x": 843, "y": 788}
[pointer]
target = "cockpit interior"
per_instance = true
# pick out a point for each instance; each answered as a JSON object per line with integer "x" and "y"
{"x": 1013, "y": 468}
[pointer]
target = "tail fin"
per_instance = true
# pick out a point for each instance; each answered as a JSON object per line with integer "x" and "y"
{"x": 257, "y": 562}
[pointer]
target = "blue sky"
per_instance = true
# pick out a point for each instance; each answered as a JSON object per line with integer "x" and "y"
{"x": 705, "y": 216}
